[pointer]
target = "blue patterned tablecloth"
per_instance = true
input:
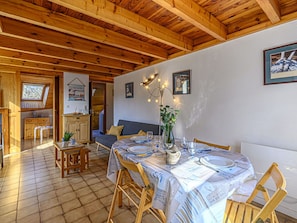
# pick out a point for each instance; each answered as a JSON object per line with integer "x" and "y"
{"x": 187, "y": 191}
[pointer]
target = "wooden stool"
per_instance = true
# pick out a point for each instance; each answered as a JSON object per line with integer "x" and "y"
{"x": 73, "y": 161}
{"x": 83, "y": 158}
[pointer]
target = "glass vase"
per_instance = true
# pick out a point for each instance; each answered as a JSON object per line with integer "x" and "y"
{"x": 168, "y": 137}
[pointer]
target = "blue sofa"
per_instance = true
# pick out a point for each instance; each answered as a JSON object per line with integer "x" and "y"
{"x": 130, "y": 128}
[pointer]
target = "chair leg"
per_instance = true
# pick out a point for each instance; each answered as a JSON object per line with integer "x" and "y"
{"x": 141, "y": 206}
{"x": 115, "y": 195}
{"x": 162, "y": 215}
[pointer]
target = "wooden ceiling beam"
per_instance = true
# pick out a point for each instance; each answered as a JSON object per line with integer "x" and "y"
{"x": 58, "y": 62}
{"x": 193, "y": 13}
{"x": 15, "y": 65}
{"x": 109, "y": 12}
{"x": 27, "y": 64}
{"x": 7, "y": 42}
{"x": 271, "y": 9}
{"x": 13, "y": 69}
{"x": 38, "y": 34}
{"x": 23, "y": 65}
{"x": 30, "y": 13}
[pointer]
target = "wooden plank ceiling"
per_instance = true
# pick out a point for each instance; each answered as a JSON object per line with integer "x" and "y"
{"x": 107, "y": 38}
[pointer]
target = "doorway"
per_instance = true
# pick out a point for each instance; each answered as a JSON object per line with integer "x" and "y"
{"x": 37, "y": 110}
{"x": 97, "y": 108}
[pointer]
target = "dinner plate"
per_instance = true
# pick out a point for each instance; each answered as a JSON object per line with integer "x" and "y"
{"x": 140, "y": 150}
{"x": 139, "y": 139}
{"x": 217, "y": 161}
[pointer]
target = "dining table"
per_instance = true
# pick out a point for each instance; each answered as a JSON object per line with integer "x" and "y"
{"x": 196, "y": 188}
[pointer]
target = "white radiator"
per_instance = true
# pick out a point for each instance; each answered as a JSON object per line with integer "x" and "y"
{"x": 262, "y": 157}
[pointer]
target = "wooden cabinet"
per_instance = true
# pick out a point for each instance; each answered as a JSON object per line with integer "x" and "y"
{"x": 31, "y": 123}
{"x": 79, "y": 125}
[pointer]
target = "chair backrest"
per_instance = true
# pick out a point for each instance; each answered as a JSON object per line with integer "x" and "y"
{"x": 137, "y": 168}
{"x": 212, "y": 144}
{"x": 273, "y": 200}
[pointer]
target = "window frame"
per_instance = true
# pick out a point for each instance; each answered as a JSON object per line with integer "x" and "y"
{"x": 33, "y": 84}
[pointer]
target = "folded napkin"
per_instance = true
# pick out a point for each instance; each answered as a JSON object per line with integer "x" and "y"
{"x": 190, "y": 174}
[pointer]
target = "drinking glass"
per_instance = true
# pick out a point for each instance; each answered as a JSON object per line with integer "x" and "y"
{"x": 149, "y": 135}
{"x": 184, "y": 143}
{"x": 156, "y": 144}
{"x": 192, "y": 148}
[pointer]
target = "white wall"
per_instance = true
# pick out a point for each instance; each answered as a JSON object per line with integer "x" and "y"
{"x": 76, "y": 106}
{"x": 228, "y": 101}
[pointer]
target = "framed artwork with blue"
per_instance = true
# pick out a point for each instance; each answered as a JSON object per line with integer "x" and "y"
{"x": 280, "y": 64}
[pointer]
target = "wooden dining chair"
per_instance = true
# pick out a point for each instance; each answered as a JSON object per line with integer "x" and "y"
{"x": 212, "y": 144}
{"x": 247, "y": 212}
{"x": 140, "y": 195}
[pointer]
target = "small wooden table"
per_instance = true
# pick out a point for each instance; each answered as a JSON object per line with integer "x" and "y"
{"x": 60, "y": 159}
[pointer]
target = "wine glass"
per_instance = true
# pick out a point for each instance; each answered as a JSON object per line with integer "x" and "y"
{"x": 149, "y": 135}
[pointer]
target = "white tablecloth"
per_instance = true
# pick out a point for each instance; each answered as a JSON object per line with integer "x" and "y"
{"x": 188, "y": 191}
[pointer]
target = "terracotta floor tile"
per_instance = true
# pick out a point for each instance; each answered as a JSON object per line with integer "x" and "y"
{"x": 26, "y": 211}
{"x": 93, "y": 181}
{"x": 8, "y": 218}
{"x": 79, "y": 185}
{"x": 27, "y": 194}
{"x": 93, "y": 206}
{"x": 30, "y": 218}
{"x": 104, "y": 192}
{"x": 51, "y": 213}
{"x": 64, "y": 190}
{"x": 9, "y": 193}
{"x": 87, "y": 198}
{"x": 9, "y": 187}
{"x": 83, "y": 220}
{"x": 83, "y": 191}
{"x": 8, "y": 200}
{"x": 49, "y": 203}
{"x": 70, "y": 205}
{"x": 27, "y": 183}
{"x": 45, "y": 189}
{"x": 44, "y": 183}
{"x": 60, "y": 184}
{"x": 66, "y": 197}
{"x": 56, "y": 219}
{"x": 99, "y": 216}
{"x": 7, "y": 208}
{"x": 75, "y": 214}
{"x": 27, "y": 202}
{"x": 47, "y": 196}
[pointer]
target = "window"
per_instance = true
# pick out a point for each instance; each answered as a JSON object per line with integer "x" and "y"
{"x": 32, "y": 92}
{"x": 34, "y": 95}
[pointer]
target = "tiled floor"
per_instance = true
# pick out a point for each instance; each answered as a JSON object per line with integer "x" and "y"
{"x": 31, "y": 190}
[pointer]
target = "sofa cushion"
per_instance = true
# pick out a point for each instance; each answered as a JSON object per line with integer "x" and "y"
{"x": 115, "y": 130}
{"x": 140, "y": 133}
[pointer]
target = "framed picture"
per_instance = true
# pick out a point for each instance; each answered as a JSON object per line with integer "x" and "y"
{"x": 129, "y": 90}
{"x": 182, "y": 82}
{"x": 280, "y": 64}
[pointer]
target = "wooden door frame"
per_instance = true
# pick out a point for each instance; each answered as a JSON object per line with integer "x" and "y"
{"x": 90, "y": 104}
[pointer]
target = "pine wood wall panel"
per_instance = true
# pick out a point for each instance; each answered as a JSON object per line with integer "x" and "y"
{"x": 10, "y": 84}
